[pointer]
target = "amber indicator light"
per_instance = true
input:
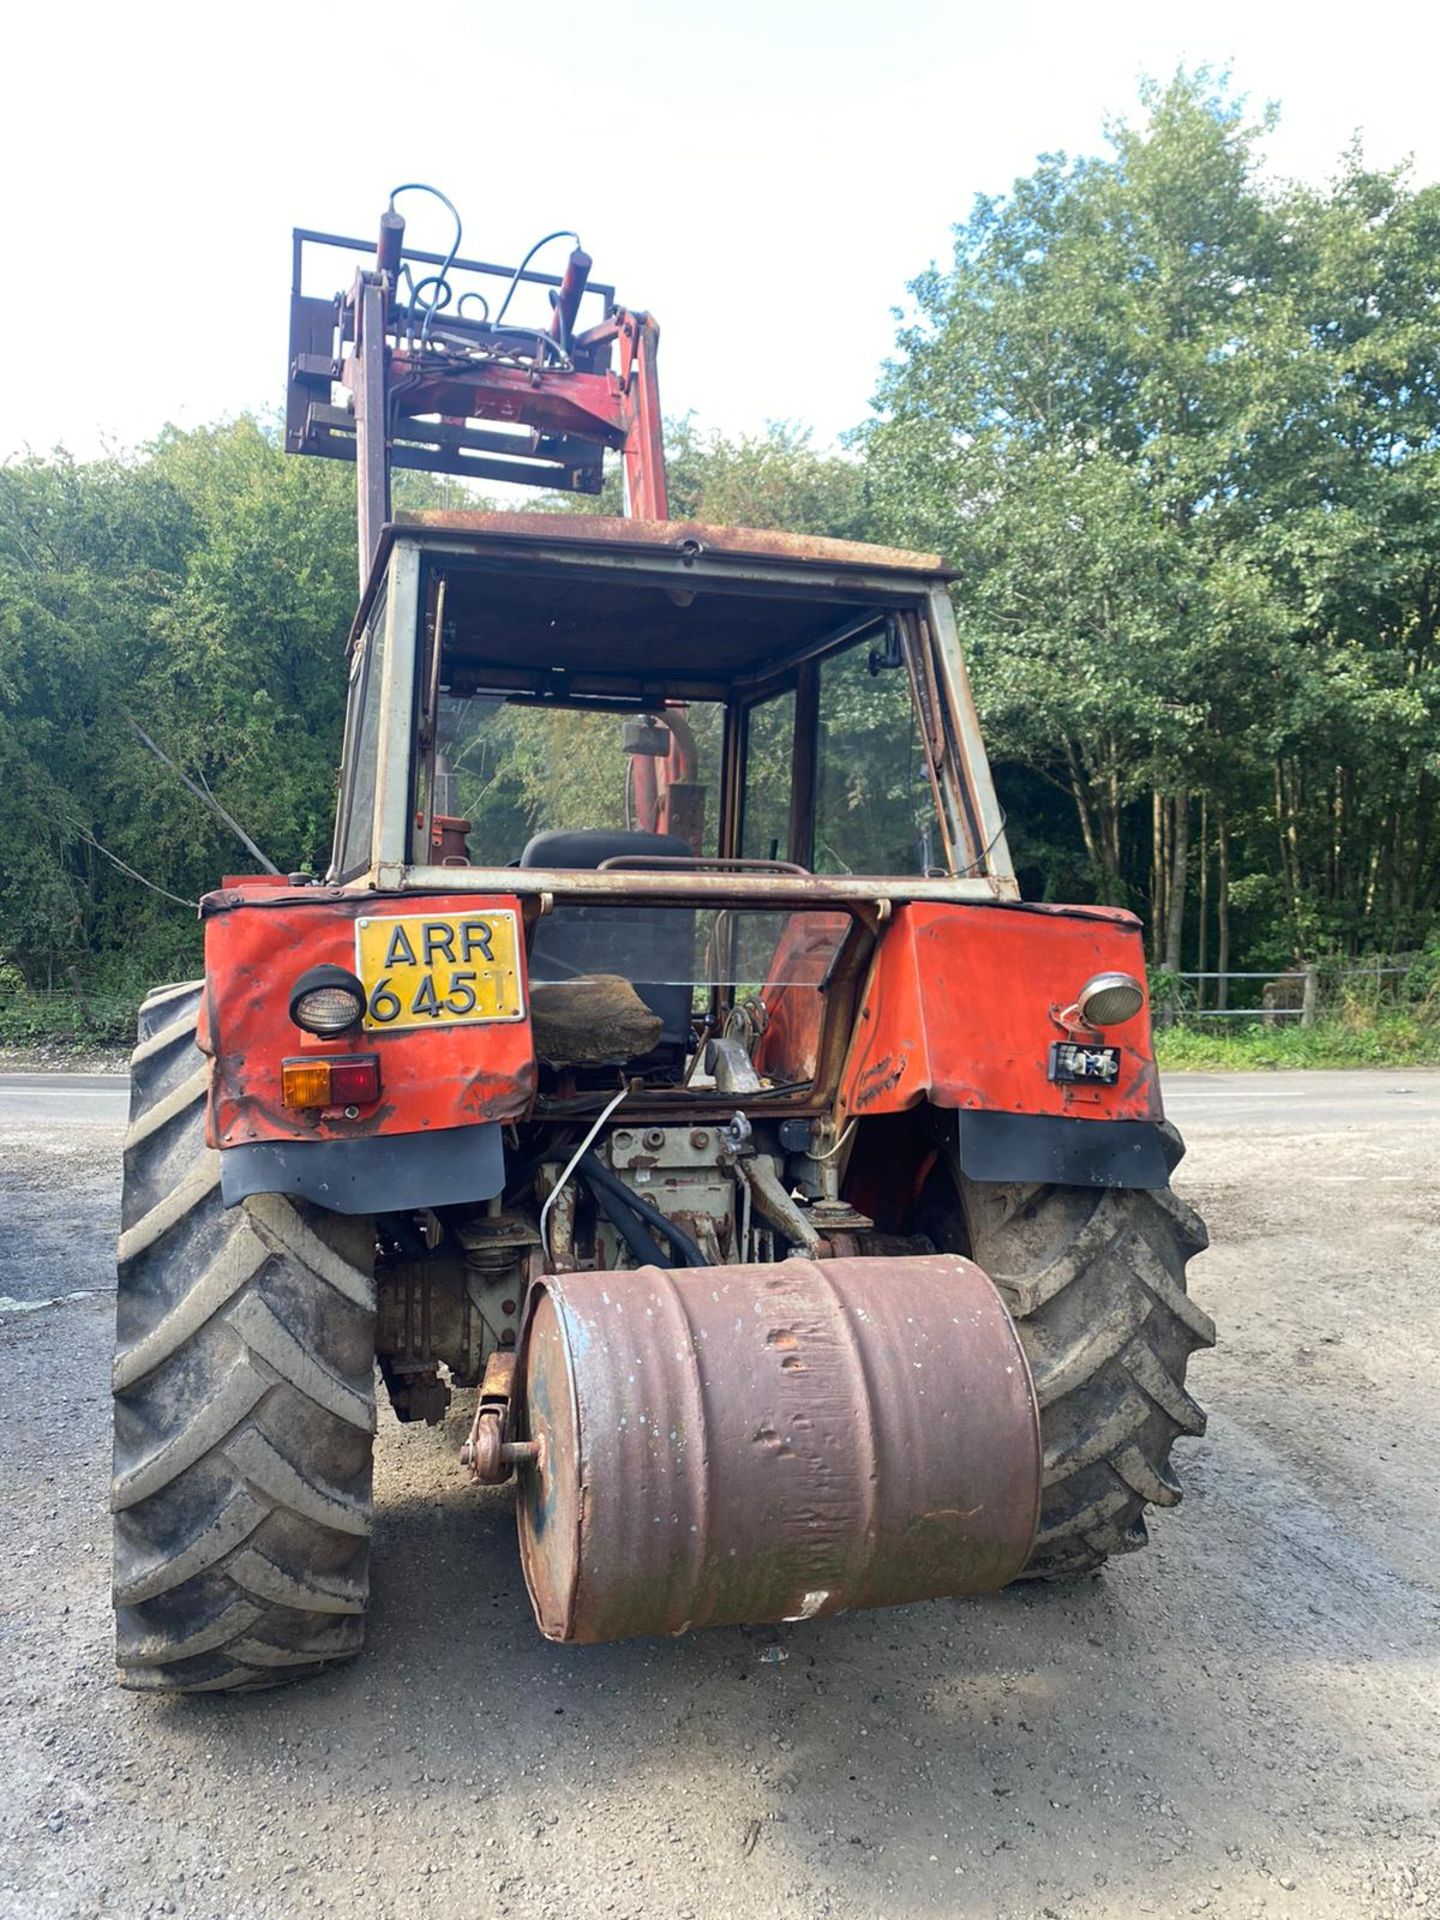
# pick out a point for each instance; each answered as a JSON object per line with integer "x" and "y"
{"x": 350, "y": 1080}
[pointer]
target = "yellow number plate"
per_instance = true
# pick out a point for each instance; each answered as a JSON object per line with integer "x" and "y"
{"x": 440, "y": 970}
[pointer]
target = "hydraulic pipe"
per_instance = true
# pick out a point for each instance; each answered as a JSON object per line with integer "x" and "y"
{"x": 601, "y": 1177}
{"x": 565, "y": 303}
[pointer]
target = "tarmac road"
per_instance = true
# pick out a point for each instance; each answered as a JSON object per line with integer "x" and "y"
{"x": 1240, "y": 1721}
{"x": 1307, "y": 1101}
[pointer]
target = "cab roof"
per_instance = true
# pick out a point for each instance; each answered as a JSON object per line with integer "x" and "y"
{"x": 709, "y": 611}
{"x": 608, "y": 531}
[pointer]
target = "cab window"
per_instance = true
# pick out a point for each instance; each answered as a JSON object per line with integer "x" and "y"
{"x": 769, "y": 752}
{"x": 356, "y": 826}
{"x": 874, "y": 811}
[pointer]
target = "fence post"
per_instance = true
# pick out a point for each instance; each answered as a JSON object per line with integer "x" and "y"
{"x": 72, "y": 974}
{"x": 1307, "y": 1003}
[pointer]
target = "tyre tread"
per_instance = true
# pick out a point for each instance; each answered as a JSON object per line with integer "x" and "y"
{"x": 1096, "y": 1282}
{"x": 244, "y": 1405}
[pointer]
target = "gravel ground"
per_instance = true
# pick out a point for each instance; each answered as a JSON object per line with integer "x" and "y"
{"x": 1242, "y": 1721}
{"x": 56, "y": 1056}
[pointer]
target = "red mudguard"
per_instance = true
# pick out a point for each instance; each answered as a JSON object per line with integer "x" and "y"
{"x": 962, "y": 1008}
{"x": 259, "y": 939}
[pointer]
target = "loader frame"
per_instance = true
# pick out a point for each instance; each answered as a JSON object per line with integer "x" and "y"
{"x": 371, "y": 382}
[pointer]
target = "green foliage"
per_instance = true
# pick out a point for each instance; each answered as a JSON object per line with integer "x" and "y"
{"x": 1422, "y": 982}
{"x": 1392, "y": 1039}
{"x": 59, "y": 1019}
{"x": 774, "y": 480}
{"x": 204, "y": 590}
{"x": 1170, "y": 994}
{"x": 770, "y": 480}
{"x": 1182, "y": 432}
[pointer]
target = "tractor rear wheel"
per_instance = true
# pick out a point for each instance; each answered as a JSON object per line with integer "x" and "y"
{"x": 1095, "y": 1280}
{"x": 244, "y": 1403}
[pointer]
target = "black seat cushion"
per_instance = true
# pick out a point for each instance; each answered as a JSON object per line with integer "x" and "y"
{"x": 588, "y": 846}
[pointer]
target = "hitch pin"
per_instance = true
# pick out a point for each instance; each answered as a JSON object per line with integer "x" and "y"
{"x": 490, "y": 1457}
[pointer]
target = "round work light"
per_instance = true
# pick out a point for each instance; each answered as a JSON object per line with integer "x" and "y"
{"x": 1109, "y": 999}
{"x": 327, "y": 1001}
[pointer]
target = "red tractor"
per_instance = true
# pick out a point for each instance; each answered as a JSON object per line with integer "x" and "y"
{"x": 667, "y": 1054}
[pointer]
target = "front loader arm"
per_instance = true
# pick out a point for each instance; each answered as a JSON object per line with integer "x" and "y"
{"x": 372, "y": 381}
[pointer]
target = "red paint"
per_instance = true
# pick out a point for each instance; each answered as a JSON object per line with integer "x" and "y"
{"x": 789, "y": 1048}
{"x": 258, "y": 939}
{"x": 958, "y": 1011}
{"x": 619, "y": 409}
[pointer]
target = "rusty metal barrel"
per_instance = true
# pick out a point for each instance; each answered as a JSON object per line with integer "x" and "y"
{"x": 742, "y": 1444}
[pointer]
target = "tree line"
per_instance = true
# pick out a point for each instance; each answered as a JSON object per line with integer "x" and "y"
{"x": 1177, "y": 424}
{"x": 1181, "y": 428}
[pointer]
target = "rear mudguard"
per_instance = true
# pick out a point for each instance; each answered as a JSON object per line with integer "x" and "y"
{"x": 433, "y": 1137}
{"x": 962, "y": 1008}
{"x": 388, "y": 1173}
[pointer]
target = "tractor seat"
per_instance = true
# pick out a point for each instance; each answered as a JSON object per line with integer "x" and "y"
{"x": 636, "y": 942}
{"x": 588, "y": 846}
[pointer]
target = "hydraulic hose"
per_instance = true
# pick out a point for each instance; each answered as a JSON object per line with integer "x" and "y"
{"x": 601, "y": 1179}
{"x": 627, "y": 1224}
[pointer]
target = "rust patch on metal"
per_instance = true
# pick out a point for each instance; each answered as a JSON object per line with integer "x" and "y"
{"x": 684, "y": 538}
{"x": 765, "y": 1443}
{"x": 878, "y": 1079}
{"x": 493, "y": 1095}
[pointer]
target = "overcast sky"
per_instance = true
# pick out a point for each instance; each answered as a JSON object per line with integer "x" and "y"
{"x": 764, "y": 175}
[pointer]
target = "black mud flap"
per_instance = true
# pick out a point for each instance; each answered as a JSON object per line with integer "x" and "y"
{"x": 384, "y": 1173}
{"x": 1069, "y": 1153}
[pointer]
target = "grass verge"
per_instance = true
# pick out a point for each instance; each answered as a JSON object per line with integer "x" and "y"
{"x": 1392, "y": 1039}
{"x": 60, "y": 1020}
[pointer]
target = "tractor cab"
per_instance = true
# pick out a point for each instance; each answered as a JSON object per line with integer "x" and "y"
{"x": 701, "y": 757}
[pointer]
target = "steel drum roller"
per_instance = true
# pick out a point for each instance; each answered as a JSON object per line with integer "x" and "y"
{"x": 772, "y": 1442}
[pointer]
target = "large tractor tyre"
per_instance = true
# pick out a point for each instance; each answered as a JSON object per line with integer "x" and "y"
{"x": 1095, "y": 1279}
{"x": 244, "y": 1403}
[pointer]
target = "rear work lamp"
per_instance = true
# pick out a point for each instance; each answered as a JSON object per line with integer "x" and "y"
{"x": 327, "y": 1001}
{"x": 1110, "y": 999}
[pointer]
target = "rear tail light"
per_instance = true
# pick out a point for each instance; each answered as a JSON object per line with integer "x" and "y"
{"x": 349, "y": 1080}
